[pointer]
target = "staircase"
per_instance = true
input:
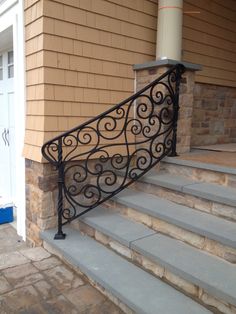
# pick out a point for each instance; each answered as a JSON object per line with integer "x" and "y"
{"x": 164, "y": 244}
{"x": 158, "y": 248}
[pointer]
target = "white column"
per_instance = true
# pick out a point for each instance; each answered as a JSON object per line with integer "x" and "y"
{"x": 169, "y": 29}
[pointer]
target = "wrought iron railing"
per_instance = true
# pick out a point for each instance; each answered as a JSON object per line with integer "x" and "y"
{"x": 101, "y": 157}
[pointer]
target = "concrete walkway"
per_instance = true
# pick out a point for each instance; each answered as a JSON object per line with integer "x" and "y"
{"x": 32, "y": 281}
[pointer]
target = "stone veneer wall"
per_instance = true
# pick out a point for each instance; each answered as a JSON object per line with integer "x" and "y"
{"x": 214, "y": 114}
{"x": 41, "y": 200}
{"x": 145, "y": 76}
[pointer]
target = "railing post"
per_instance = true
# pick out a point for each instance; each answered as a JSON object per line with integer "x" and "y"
{"x": 179, "y": 71}
{"x": 60, "y": 235}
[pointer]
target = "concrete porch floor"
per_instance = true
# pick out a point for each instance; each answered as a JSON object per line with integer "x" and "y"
{"x": 33, "y": 281}
{"x": 221, "y": 158}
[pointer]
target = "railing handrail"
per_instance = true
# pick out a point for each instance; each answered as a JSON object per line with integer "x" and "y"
{"x": 94, "y": 173}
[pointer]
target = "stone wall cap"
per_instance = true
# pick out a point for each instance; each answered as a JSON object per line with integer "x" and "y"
{"x": 166, "y": 62}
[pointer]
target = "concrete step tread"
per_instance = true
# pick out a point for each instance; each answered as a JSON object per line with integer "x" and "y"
{"x": 207, "y": 225}
{"x": 210, "y": 191}
{"x": 207, "y": 271}
{"x": 139, "y": 290}
{"x": 193, "y": 265}
{"x": 116, "y": 226}
{"x": 199, "y": 165}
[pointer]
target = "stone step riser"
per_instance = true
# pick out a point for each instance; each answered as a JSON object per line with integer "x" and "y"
{"x": 204, "y": 205}
{"x": 196, "y": 240}
{"x": 158, "y": 270}
{"x": 109, "y": 295}
{"x": 199, "y": 174}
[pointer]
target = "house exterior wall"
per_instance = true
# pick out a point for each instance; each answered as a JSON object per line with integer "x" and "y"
{"x": 209, "y": 39}
{"x": 79, "y": 62}
{"x": 79, "y": 57}
{"x": 214, "y": 115}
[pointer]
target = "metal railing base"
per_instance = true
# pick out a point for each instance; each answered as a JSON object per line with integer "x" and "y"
{"x": 60, "y": 236}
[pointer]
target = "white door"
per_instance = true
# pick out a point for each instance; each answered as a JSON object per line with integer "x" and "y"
{"x": 7, "y": 129}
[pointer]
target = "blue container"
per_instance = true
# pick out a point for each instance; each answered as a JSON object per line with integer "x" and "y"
{"x": 6, "y": 213}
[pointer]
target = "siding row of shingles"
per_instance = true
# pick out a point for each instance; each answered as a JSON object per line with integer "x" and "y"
{"x": 79, "y": 61}
{"x": 34, "y": 93}
{"x": 209, "y": 38}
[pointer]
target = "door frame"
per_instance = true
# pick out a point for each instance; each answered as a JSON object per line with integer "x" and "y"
{"x": 13, "y": 16}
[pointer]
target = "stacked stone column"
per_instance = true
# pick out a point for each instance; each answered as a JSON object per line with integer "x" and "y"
{"x": 148, "y": 72}
{"x": 41, "y": 200}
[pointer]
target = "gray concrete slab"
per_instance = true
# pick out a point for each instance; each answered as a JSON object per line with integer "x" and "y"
{"x": 139, "y": 290}
{"x": 190, "y": 219}
{"x": 209, "y": 191}
{"x": 201, "y": 165}
{"x": 116, "y": 226}
{"x": 207, "y": 271}
{"x": 213, "y": 192}
{"x": 214, "y": 275}
{"x": 168, "y": 181}
{"x": 167, "y": 62}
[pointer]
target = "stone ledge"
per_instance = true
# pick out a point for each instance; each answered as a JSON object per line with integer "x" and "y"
{"x": 166, "y": 62}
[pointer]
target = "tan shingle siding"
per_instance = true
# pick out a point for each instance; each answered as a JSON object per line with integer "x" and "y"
{"x": 79, "y": 56}
{"x": 209, "y": 38}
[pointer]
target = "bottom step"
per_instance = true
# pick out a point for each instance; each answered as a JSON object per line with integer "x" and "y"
{"x": 137, "y": 289}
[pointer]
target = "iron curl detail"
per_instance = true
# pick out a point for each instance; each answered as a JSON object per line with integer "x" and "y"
{"x": 103, "y": 156}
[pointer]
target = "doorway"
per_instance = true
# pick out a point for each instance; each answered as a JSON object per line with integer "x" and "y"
{"x": 7, "y": 127}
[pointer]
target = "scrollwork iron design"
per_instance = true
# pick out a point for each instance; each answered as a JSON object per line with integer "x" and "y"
{"x": 101, "y": 157}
